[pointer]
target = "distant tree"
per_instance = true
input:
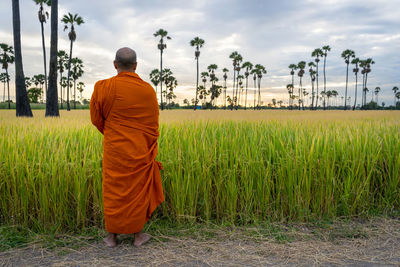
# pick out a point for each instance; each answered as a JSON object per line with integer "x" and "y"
{"x": 186, "y": 102}
{"x": 260, "y": 70}
{"x": 248, "y": 67}
{"x": 312, "y": 77}
{"x": 70, "y": 21}
{"x": 355, "y": 62}
{"x": 203, "y": 90}
{"x": 213, "y": 79}
{"x": 236, "y": 60}
{"x": 28, "y": 82}
{"x": 22, "y": 102}
{"x": 326, "y": 49}
{"x": 198, "y": 43}
{"x": 395, "y": 89}
{"x": 225, "y": 76}
{"x": 62, "y": 64}
{"x": 34, "y": 94}
{"x": 43, "y": 16}
{"x": 161, "y": 46}
{"x": 290, "y": 88}
{"x": 80, "y": 86}
{"x": 155, "y": 78}
{"x": 280, "y": 102}
{"x": 76, "y": 73}
{"x": 293, "y": 68}
{"x": 301, "y": 66}
{"x": 366, "y": 65}
{"x": 7, "y": 57}
{"x": 317, "y": 53}
{"x": 377, "y": 90}
{"x": 398, "y": 98}
{"x": 4, "y": 78}
{"x": 346, "y": 55}
{"x": 254, "y": 72}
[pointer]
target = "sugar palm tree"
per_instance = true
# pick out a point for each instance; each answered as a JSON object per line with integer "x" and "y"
{"x": 235, "y": 56}
{"x": 346, "y": 55}
{"x": 70, "y": 21}
{"x": 293, "y": 68}
{"x": 161, "y": 46}
{"x": 326, "y": 49}
{"x": 254, "y": 72}
{"x": 52, "y": 97}
{"x": 312, "y": 77}
{"x": 7, "y": 57}
{"x": 43, "y": 16}
{"x": 377, "y": 90}
{"x": 76, "y": 73}
{"x": 395, "y": 89}
{"x": 225, "y": 71}
{"x": 248, "y": 66}
{"x": 4, "y": 79}
{"x": 301, "y": 66}
{"x": 211, "y": 72}
{"x": 355, "y": 62}
{"x": 367, "y": 68}
{"x": 289, "y": 87}
{"x": 22, "y": 102}
{"x": 198, "y": 43}
{"x": 239, "y": 79}
{"x": 317, "y": 53}
{"x": 155, "y": 78}
{"x": 260, "y": 70}
{"x": 62, "y": 63}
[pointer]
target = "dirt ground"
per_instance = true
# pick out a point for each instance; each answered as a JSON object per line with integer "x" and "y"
{"x": 374, "y": 242}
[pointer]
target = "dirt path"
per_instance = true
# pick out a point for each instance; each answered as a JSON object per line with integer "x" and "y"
{"x": 372, "y": 243}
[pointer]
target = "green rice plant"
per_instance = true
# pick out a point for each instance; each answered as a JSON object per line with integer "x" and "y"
{"x": 225, "y": 171}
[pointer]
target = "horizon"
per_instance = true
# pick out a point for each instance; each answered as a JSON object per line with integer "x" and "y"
{"x": 283, "y": 36}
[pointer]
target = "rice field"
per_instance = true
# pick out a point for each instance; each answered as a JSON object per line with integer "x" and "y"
{"x": 220, "y": 166}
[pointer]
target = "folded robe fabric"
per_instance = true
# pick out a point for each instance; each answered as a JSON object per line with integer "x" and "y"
{"x": 124, "y": 108}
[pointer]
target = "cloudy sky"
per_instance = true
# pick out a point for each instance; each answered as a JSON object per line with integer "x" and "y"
{"x": 271, "y": 33}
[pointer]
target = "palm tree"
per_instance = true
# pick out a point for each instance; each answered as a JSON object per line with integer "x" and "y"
{"x": 248, "y": 66}
{"x": 70, "y": 21}
{"x": 355, "y": 62}
{"x": 198, "y": 43}
{"x": 326, "y": 49}
{"x": 346, "y": 55}
{"x": 317, "y": 53}
{"x": 312, "y": 77}
{"x": 4, "y": 78}
{"x": 204, "y": 76}
{"x": 254, "y": 72}
{"x": 76, "y": 73}
{"x": 42, "y": 16}
{"x": 377, "y": 90}
{"x": 225, "y": 71}
{"x": 395, "y": 89}
{"x": 292, "y": 68}
{"x": 62, "y": 63}
{"x": 289, "y": 87}
{"x": 239, "y": 79}
{"x": 155, "y": 78}
{"x": 367, "y": 68}
{"x": 397, "y": 95}
{"x": 7, "y": 57}
{"x": 260, "y": 70}
{"x": 235, "y": 56}
{"x": 22, "y": 102}
{"x": 211, "y": 71}
{"x": 239, "y": 60}
{"x": 52, "y": 98}
{"x": 301, "y": 66}
{"x": 162, "y": 34}
{"x": 80, "y": 86}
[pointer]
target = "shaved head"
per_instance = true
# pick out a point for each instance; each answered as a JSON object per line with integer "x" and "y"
{"x": 125, "y": 58}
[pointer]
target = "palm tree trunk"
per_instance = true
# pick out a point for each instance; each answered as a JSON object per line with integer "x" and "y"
{"x": 312, "y": 94}
{"x": 197, "y": 82}
{"x": 355, "y": 96}
{"x": 316, "y": 99}
{"x": 74, "y": 94}
{"x": 162, "y": 104}
{"x": 52, "y": 98}
{"x": 300, "y": 94}
{"x": 362, "y": 92}
{"x": 237, "y": 89}
{"x": 324, "y": 83}
{"x": 44, "y": 59}
{"x": 61, "y": 90}
{"x": 225, "y": 95}
{"x": 255, "y": 90}
{"x": 245, "y": 102}
{"x": 366, "y": 78}
{"x": 8, "y": 89}
{"x": 233, "y": 92}
{"x": 4, "y": 91}
{"x": 22, "y": 102}
{"x": 345, "y": 92}
{"x": 259, "y": 93}
{"x": 69, "y": 74}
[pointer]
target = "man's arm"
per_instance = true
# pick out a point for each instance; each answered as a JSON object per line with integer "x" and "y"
{"x": 96, "y": 114}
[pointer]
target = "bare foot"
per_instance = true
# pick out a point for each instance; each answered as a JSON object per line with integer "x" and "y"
{"x": 141, "y": 238}
{"x": 110, "y": 240}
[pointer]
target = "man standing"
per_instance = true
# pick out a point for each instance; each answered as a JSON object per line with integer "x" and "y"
{"x": 124, "y": 109}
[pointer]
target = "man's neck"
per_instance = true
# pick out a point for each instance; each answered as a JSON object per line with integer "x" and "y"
{"x": 121, "y": 70}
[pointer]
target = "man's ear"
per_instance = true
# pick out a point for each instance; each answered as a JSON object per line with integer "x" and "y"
{"x": 115, "y": 65}
{"x": 134, "y": 66}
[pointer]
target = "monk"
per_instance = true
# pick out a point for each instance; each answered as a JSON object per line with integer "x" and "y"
{"x": 124, "y": 109}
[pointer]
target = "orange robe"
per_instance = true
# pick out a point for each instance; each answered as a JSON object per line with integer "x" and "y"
{"x": 124, "y": 108}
